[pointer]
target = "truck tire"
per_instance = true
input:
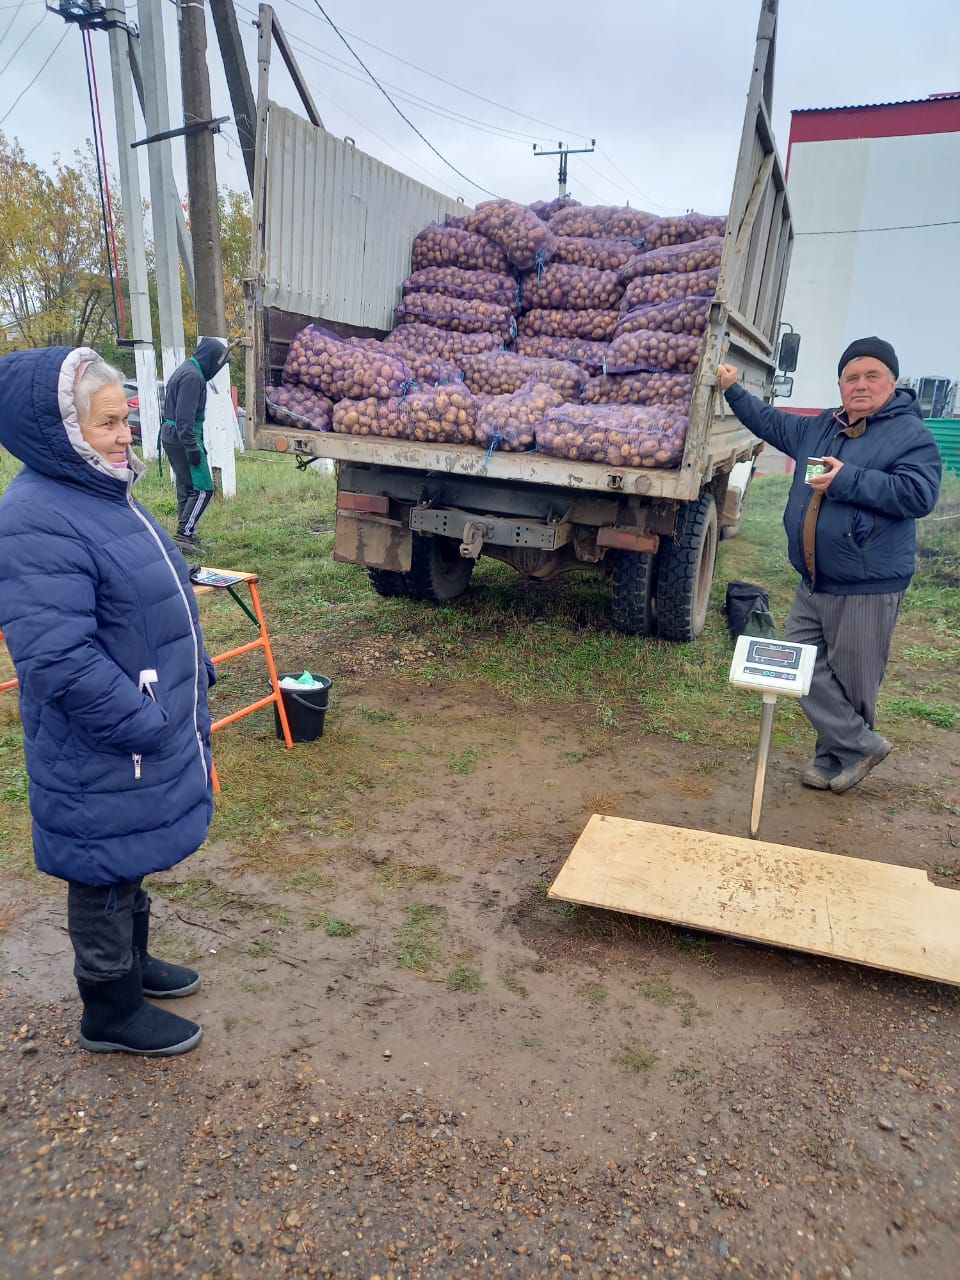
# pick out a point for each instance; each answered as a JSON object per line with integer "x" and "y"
{"x": 685, "y": 568}
{"x": 388, "y": 582}
{"x": 631, "y": 602}
{"x": 438, "y": 571}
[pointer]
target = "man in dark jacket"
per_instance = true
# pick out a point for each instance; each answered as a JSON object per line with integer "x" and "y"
{"x": 181, "y": 432}
{"x": 102, "y": 625}
{"x": 851, "y": 532}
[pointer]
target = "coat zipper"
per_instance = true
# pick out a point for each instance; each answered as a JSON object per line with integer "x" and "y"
{"x": 137, "y": 766}
{"x": 193, "y": 631}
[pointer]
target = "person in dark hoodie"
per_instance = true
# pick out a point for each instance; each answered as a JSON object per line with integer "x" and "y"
{"x": 101, "y": 623}
{"x": 181, "y": 433}
{"x": 851, "y": 533}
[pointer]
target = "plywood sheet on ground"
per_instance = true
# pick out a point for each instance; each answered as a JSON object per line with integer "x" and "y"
{"x": 872, "y": 913}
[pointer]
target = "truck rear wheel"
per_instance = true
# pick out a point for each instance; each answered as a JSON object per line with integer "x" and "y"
{"x": 388, "y": 582}
{"x": 685, "y": 568}
{"x": 438, "y": 571}
{"x": 631, "y": 603}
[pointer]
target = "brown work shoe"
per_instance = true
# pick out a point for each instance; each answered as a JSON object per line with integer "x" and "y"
{"x": 855, "y": 773}
{"x": 817, "y": 778}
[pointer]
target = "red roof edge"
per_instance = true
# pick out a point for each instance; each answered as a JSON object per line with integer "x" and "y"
{"x": 937, "y": 114}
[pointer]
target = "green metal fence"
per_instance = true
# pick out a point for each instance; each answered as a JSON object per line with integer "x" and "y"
{"x": 946, "y": 432}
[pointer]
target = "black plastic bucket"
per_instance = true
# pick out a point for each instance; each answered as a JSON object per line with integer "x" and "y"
{"x": 306, "y": 709}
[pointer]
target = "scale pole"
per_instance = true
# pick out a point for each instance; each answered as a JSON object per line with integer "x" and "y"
{"x": 763, "y": 750}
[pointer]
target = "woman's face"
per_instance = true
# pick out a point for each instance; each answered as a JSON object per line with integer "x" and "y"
{"x": 106, "y": 428}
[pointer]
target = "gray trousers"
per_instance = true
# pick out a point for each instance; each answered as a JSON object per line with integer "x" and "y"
{"x": 100, "y": 923}
{"x": 852, "y": 635}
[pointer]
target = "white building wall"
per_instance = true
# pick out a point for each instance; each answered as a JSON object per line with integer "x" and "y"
{"x": 902, "y": 285}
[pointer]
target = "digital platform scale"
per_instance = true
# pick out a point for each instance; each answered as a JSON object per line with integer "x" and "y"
{"x": 771, "y": 668}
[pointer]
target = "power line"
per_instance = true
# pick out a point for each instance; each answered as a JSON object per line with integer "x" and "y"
{"x": 554, "y": 128}
{"x": 864, "y": 231}
{"x": 43, "y": 68}
{"x": 406, "y": 119}
{"x": 631, "y": 185}
{"x": 16, "y": 9}
{"x": 22, "y": 42}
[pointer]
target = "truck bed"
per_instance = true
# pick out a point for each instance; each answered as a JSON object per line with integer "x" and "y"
{"x": 727, "y": 444}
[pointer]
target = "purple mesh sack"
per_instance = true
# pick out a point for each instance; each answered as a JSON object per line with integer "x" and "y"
{"x": 510, "y": 422}
{"x": 431, "y": 415}
{"x": 438, "y": 246}
{"x": 588, "y": 355}
{"x": 678, "y": 284}
{"x": 700, "y": 255}
{"x": 489, "y": 286}
{"x": 683, "y": 315}
{"x": 526, "y": 240}
{"x": 603, "y": 221}
{"x": 440, "y": 343}
{"x": 648, "y": 350}
{"x": 684, "y": 228}
{"x": 459, "y": 315}
{"x": 670, "y": 389}
{"x": 563, "y": 286}
{"x": 295, "y": 406}
{"x": 500, "y": 373}
{"x": 343, "y": 369}
{"x": 596, "y": 325}
{"x": 615, "y": 435}
{"x": 602, "y": 254}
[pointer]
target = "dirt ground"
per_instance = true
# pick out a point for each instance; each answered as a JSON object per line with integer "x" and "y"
{"x": 416, "y": 1065}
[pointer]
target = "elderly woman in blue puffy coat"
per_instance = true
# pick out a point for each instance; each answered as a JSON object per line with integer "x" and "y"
{"x": 100, "y": 620}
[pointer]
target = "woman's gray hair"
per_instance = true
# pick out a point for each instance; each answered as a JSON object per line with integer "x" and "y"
{"x": 93, "y": 378}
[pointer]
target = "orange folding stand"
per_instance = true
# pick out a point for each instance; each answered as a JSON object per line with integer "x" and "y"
{"x": 234, "y": 578}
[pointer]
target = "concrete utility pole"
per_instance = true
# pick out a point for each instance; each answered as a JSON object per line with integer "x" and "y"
{"x": 563, "y": 153}
{"x": 221, "y": 423}
{"x": 163, "y": 195}
{"x": 136, "y": 251}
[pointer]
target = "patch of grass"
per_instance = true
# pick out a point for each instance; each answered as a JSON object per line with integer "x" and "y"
{"x": 942, "y": 714}
{"x": 595, "y": 993}
{"x": 636, "y": 1062}
{"x": 466, "y": 979}
{"x": 283, "y": 917}
{"x": 401, "y": 875}
{"x": 514, "y": 985}
{"x": 538, "y": 900}
{"x": 203, "y": 894}
{"x": 686, "y": 1075}
{"x": 691, "y": 945}
{"x": 376, "y": 715}
{"x": 420, "y": 937}
{"x": 465, "y": 762}
{"x": 606, "y": 716}
{"x": 332, "y": 926}
{"x": 262, "y": 948}
{"x": 664, "y": 995}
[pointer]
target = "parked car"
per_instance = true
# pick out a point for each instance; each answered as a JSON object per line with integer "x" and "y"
{"x": 133, "y": 404}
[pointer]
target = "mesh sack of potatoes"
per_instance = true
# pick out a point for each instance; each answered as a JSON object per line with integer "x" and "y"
{"x": 648, "y": 350}
{"x": 440, "y": 343}
{"x": 459, "y": 315}
{"x": 596, "y": 325}
{"x": 564, "y": 286}
{"x": 588, "y": 355}
{"x": 602, "y": 221}
{"x": 683, "y": 315}
{"x": 491, "y": 286}
{"x": 602, "y": 254}
{"x": 296, "y": 406}
{"x": 455, "y": 220}
{"x": 669, "y": 389}
{"x": 343, "y": 370}
{"x": 526, "y": 239}
{"x": 545, "y": 209}
{"x": 664, "y": 288}
{"x": 450, "y": 246}
{"x": 499, "y": 373}
{"x": 428, "y": 369}
{"x": 510, "y": 422}
{"x": 684, "y": 228}
{"x": 438, "y": 415}
{"x": 617, "y": 435}
{"x": 700, "y": 255}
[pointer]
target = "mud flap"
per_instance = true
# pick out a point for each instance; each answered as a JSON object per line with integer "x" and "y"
{"x": 373, "y": 541}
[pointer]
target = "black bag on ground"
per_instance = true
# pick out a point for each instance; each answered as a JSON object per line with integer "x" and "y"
{"x": 748, "y": 611}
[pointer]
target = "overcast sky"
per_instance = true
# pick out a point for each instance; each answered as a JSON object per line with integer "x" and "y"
{"x": 659, "y": 85}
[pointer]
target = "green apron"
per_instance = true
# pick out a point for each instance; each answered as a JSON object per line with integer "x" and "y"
{"x": 200, "y": 476}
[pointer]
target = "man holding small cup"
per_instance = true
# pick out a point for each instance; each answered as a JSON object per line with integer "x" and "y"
{"x": 865, "y": 474}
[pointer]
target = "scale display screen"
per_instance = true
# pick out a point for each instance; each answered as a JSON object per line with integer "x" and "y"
{"x": 778, "y": 655}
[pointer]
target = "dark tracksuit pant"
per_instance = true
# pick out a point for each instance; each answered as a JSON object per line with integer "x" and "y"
{"x": 191, "y": 502}
{"x": 100, "y": 923}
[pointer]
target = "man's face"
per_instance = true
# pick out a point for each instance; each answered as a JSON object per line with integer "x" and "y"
{"x": 866, "y": 385}
{"x": 106, "y": 428}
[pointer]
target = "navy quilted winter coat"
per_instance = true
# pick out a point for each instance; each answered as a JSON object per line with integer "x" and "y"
{"x": 92, "y": 593}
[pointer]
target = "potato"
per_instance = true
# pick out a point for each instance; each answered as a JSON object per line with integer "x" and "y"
{"x": 601, "y": 254}
{"x": 571, "y": 288}
{"x": 509, "y": 422}
{"x": 452, "y": 246}
{"x": 517, "y": 231}
{"x": 343, "y": 369}
{"x": 614, "y": 435}
{"x": 440, "y": 343}
{"x": 683, "y": 229}
{"x": 602, "y": 221}
{"x": 671, "y": 390}
{"x": 545, "y": 209}
{"x": 501, "y": 373}
{"x": 490, "y": 286}
{"x": 653, "y": 349}
{"x": 684, "y": 315}
{"x": 588, "y": 355}
{"x": 294, "y": 406}
{"x": 664, "y": 288}
{"x": 459, "y": 315}
{"x": 698, "y": 256}
{"x": 436, "y": 415}
{"x": 593, "y": 324}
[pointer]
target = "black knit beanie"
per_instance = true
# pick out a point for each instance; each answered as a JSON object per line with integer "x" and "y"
{"x": 875, "y": 347}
